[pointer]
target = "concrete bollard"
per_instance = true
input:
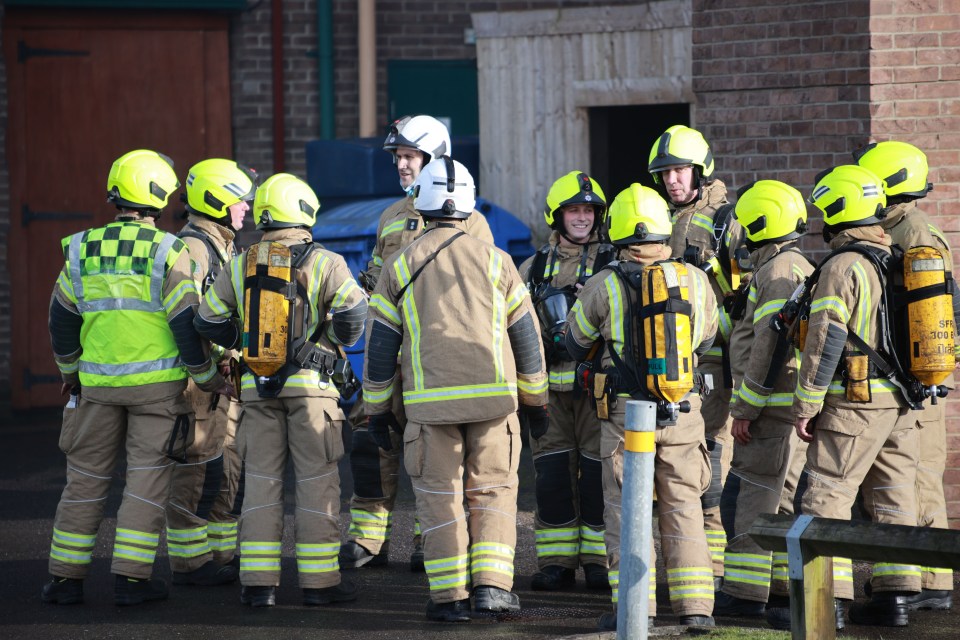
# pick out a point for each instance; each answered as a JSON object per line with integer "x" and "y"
{"x": 636, "y": 520}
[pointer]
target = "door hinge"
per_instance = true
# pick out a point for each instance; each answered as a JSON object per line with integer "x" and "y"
{"x": 25, "y": 52}
{"x": 28, "y": 215}
{"x": 31, "y": 379}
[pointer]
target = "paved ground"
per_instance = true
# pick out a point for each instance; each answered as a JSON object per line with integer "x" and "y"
{"x": 391, "y": 605}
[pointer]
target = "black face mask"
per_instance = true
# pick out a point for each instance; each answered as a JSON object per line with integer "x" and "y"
{"x": 827, "y": 234}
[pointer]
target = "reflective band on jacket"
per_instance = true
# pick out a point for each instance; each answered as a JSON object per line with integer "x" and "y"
{"x": 117, "y": 275}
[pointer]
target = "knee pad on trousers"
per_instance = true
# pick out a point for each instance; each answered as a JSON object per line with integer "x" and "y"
{"x": 237, "y": 508}
{"x": 554, "y": 488}
{"x": 212, "y": 477}
{"x": 365, "y": 465}
{"x": 802, "y": 484}
{"x": 728, "y": 504}
{"x": 591, "y": 492}
{"x": 711, "y": 497}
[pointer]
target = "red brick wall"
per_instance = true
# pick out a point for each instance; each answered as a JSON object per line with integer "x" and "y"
{"x": 782, "y": 89}
{"x": 915, "y": 97}
{"x": 785, "y": 91}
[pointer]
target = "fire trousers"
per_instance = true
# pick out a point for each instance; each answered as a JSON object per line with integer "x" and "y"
{"x": 92, "y": 437}
{"x": 375, "y": 475}
{"x": 681, "y": 474}
{"x": 474, "y": 463}
{"x": 204, "y": 505}
{"x": 306, "y": 430}
{"x": 875, "y": 448}
{"x": 717, "y": 424}
{"x": 758, "y": 473}
{"x": 569, "y": 518}
{"x": 931, "y": 503}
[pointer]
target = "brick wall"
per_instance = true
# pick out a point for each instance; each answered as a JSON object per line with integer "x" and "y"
{"x": 785, "y": 91}
{"x": 406, "y": 29}
{"x": 782, "y": 89}
{"x": 915, "y": 97}
{"x": 4, "y": 227}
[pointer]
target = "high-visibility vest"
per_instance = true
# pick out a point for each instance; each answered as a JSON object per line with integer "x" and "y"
{"x": 117, "y": 274}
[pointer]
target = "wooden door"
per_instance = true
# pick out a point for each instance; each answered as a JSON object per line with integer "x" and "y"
{"x": 85, "y": 88}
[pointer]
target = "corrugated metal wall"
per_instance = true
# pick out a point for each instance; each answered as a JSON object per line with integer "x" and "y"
{"x": 540, "y": 71}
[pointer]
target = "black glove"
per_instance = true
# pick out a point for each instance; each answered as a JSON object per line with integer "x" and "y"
{"x": 536, "y": 419}
{"x": 379, "y": 426}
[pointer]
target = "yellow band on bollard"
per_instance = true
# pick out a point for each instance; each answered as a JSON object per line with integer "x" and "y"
{"x": 639, "y": 441}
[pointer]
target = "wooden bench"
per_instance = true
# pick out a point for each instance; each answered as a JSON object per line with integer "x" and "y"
{"x": 812, "y": 543}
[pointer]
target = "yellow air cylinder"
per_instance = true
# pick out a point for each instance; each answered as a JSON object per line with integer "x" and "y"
{"x": 929, "y": 319}
{"x": 668, "y": 344}
{"x": 266, "y": 321}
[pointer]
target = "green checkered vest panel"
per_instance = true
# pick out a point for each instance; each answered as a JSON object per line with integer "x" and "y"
{"x": 117, "y": 273}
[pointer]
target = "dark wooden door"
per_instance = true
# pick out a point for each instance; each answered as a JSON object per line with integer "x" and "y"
{"x": 85, "y": 88}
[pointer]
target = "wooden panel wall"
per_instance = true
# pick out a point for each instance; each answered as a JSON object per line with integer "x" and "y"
{"x": 540, "y": 71}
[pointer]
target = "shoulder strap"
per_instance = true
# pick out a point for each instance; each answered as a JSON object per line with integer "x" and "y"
{"x": 535, "y": 276}
{"x": 429, "y": 259}
{"x": 300, "y": 253}
{"x": 215, "y": 261}
{"x": 629, "y": 376}
{"x": 721, "y": 218}
{"x": 606, "y": 253}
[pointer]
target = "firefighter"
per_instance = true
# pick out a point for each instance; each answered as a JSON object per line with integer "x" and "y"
{"x": 121, "y": 324}
{"x": 413, "y": 141}
{"x": 774, "y": 217}
{"x": 904, "y": 170}
{"x": 706, "y": 235}
{"x": 457, "y": 313}
{"x": 569, "y": 517}
{"x": 289, "y": 395}
{"x": 202, "y": 513}
{"x": 855, "y": 418}
{"x": 606, "y": 311}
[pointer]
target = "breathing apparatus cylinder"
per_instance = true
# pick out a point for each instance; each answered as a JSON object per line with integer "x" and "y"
{"x": 930, "y": 331}
{"x": 667, "y": 335}
{"x": 268, "y": 307}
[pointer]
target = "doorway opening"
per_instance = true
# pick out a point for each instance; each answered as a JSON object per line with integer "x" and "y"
{"x": 621, "y": 138}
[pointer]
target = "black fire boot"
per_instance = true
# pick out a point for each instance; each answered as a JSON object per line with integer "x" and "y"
{"x": 596, "y": 576}
{"x": 883, "y": 609}
{"x": 63, "y": 591}
{"x": 553, "y": 578}
{"x": 346, "y": 591}
{"x": 129, "y": 591}
{"x": 353, "y": 556}
{"x": 725, "y": 604}
{"x": 258, "y": 596}
{"x": 495, "y": 599}
{"x": 457, "y": 611}
{"x": 208, "y": 574}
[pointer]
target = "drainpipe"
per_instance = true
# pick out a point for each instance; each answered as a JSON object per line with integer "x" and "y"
{"x": 325, "y": 67}
{"x": 367, "y": 64}
{"x": 276, "y": 41}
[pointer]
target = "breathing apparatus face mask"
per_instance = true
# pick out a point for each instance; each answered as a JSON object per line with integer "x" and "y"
{"x": 552, "y": 306}
{"x": 744, "y": 259}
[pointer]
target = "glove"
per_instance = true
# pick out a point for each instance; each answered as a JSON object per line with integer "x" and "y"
{"x": 536, "y": 419}
{"x": 379, "y": 426}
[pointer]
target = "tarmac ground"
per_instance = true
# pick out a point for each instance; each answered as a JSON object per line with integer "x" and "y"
{"x": 391, "y": 603}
